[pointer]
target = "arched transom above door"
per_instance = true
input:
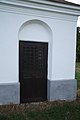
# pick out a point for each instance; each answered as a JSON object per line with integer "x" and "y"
{"x": 35, "y": 30}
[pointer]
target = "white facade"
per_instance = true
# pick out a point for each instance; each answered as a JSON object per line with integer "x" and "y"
{"x": 54, "y": 23}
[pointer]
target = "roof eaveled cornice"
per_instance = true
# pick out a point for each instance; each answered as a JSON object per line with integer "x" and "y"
{"x": 46, "y": 5}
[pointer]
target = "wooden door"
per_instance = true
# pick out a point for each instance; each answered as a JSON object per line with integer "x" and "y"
{"x": 33, "y": 71}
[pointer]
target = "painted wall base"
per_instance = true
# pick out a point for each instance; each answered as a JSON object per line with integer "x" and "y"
{"x": 62, "y": 90}
{"x": 57, "y": 90}
{"x": 9, "y": 93}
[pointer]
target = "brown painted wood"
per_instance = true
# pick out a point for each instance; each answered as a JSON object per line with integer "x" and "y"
{"x": 33, "y": 71}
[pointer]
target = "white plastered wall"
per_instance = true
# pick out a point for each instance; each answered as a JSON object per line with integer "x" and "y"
{"x": 64, "y": 50}
{"x": 62, "y": 65}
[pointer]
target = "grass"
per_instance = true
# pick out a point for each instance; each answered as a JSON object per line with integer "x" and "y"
{"x": 78, "y": 71}
{"x": 59, "y": 110}
{"x": 78, "y": 74}
{"x": 12, "y": 117}
{"x": 42, "y": 111}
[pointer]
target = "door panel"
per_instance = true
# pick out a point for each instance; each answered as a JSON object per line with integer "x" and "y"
{"x": 33, "y": 71}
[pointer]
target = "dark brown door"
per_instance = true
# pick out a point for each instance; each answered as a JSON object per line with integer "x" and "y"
{"x": 33, "y": 71}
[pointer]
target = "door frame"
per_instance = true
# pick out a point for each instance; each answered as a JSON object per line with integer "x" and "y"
{"x": 47, "y": 65}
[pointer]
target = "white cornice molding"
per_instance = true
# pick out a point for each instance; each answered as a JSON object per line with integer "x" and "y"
{"x": 44, "y": 5}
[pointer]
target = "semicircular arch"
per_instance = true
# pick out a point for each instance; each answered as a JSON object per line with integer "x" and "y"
{"x": 35, "y": 30}
{"x": 38, "y": 31}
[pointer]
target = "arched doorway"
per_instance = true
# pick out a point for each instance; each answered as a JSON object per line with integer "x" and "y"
{"x": 33, "y": 61}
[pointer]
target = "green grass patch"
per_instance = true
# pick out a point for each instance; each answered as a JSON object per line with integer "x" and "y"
{"x": 12, "y": 117}
{"x": 78, "y": 84}
{"x": 59, "y": 112}
{"x": 55, "y": 111}
{"x": 78, "y": 71}
{"x": 78, "y": 74}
